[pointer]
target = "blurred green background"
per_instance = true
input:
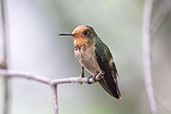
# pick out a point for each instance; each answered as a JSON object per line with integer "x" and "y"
{"x": 36, "y": 47}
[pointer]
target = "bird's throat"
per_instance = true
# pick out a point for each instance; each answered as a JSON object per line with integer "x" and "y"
{"x": 80, "y": 41}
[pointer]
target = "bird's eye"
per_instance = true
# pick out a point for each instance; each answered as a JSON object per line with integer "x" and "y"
{"x": 85, "y": 32}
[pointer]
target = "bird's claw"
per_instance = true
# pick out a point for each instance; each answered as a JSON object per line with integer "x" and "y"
{"x": 93, "y": 77}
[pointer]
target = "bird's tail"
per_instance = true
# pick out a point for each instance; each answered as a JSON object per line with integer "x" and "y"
{"x": 111, "y": 87}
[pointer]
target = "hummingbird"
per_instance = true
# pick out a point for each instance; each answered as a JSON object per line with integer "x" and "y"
{"x": 94, "y": 56}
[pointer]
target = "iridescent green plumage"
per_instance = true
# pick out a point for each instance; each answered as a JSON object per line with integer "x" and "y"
{"x": 105, "y": 61}
{"x": 102, "y": 48}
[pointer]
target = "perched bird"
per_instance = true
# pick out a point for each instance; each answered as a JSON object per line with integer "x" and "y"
{"x": 95, "y": 56}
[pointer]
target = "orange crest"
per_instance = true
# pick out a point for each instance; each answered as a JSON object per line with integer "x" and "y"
{"x": 82, "y": 34}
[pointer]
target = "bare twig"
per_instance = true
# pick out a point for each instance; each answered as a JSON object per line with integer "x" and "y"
{"x": 6, "y": 96}
{"x": 148, "y": 6}
{"x": 47, "y": 81}
{"x": 4, "y": 26}
{"x": 55, "y": 97}
{"x": 78, "y": 79}
{"x": 53, "y": 83}
{"x": 29, "y": 76}
{"x": 4, "y": 63}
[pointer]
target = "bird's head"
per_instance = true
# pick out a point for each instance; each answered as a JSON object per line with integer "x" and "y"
{"x": 82, "y": 35}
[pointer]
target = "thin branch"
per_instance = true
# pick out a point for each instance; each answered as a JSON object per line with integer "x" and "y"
{"x": 78, "y": 79}
{"x": 148, "y": 6}
{"x": 6, "y": 97}
{"x": 53, "y": 83}
{"x": 4, "y": 31}
{"x": 55, "y": 97}
{"x": 28, "y": 76}
{"x": 4, "y": 63}
{"x": 47, "y": 81}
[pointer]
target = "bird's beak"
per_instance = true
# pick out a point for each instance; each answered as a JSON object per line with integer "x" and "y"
{"x": 66, "y": 34}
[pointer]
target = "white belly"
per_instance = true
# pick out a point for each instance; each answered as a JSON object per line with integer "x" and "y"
{"x": 88, "y": 60}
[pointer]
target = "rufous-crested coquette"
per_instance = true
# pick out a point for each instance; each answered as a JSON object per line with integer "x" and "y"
{"x": 95, "y": 56}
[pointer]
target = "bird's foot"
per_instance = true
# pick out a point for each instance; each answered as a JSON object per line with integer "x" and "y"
{"x": 82, "y": 74}
{"x": 93, "y": 77}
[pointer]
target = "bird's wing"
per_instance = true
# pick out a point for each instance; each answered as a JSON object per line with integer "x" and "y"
{"x": 106, "y": 63}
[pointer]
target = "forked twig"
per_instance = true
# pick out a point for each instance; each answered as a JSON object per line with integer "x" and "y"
{"x": 53, "y": 83}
